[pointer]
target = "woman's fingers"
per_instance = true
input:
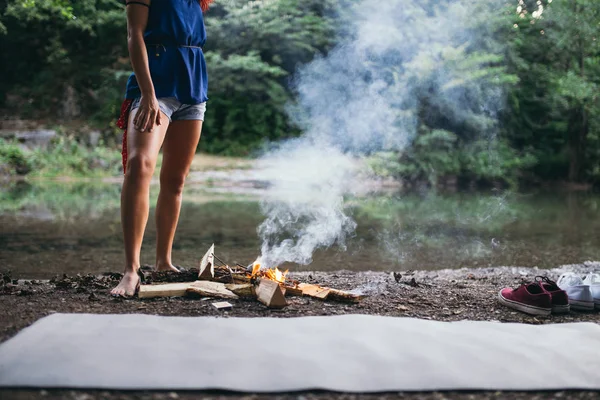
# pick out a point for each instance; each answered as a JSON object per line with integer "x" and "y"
{"x": 144, "y": 124}
{"x": 146, "y": 119}
{"x": 136, "y": 119}
{"x": 140, "y": 119}
{"x": 143, "y": 121}
{"x": 150, "y": 120}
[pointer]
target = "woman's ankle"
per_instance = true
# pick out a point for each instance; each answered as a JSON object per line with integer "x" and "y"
{"x": 131, "y": 269}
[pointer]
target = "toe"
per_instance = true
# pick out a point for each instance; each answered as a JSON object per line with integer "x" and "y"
{"x": 118, "y": 291}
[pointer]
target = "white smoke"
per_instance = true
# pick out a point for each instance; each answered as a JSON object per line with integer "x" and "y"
{"x": 362, "y": 98}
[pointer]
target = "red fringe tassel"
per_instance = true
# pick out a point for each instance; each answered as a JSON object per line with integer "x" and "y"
{"x": 122, "y": 123}
{"x": 204, "y": 4}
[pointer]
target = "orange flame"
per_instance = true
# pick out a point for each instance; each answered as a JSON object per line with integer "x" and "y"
{"x": 255, "y": 268}
{"x": 276, "y": 275}
{"x": 272, "y": 274}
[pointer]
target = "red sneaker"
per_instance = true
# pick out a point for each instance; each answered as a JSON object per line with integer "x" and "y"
{"x": 560, "y": 298}
{"x": 529, "y": 298}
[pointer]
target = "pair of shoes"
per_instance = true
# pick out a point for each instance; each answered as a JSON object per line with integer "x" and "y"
{"x": 541, "y": 297}
{"x": 584, "y": 294}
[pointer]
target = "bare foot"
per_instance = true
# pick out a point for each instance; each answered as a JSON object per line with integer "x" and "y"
{"x": 128, "y": 285}
{"x": 166, "y": 267}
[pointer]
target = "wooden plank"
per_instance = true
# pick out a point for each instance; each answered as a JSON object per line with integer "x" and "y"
{"x": 341, "y": 295}
{"x": 178, "y": 289}
{"x": 270, "y": 294}
{"x": 207, "y": 265}
{"x": 315, "y": 291}
{"x": 242, "y": 290}
{"x": 211, "y": 289}
{"x": 293, "y": 291}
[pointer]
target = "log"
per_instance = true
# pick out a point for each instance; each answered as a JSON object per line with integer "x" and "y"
{"x": 164, "y": 290}
{"x": 242, "y": 290}
{"x": 293, "y": 291}
{"x": 211, "y": 289}
{"x": 207, "y": 265}
{"x": 315, "y": 291}
{"x": 341, "y": 295}
{"x": 270, "y": 294}
{"x": 241, "y": 278}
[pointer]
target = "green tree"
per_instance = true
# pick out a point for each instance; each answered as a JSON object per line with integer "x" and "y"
{"x": 460, "y": 81}
{"x": 72, "y": 63}
{"x": 60, "y": 57}
{"x": 253, "y": 49}
{"x": 554, "y": 111}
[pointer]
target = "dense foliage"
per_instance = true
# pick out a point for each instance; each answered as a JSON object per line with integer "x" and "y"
{"x": 65, "y": 59}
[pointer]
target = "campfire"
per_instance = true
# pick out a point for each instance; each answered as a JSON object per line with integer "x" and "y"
{"x": 270, "y": 286}
{"x": 272, "y": 274}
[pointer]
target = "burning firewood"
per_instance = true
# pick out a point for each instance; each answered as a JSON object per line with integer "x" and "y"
{"x": 269, "y": 286}
{"x": 270, "y": 293}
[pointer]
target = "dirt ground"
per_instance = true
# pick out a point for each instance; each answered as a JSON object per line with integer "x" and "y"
{"x": 448, "y": 295}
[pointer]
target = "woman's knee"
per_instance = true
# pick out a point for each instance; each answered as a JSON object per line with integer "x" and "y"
{"x": 140, "y": 166}
{"x": 173, "y": 183}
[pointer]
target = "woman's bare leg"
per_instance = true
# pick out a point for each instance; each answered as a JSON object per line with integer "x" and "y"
{"x": 142, "y": 150}
{"x": 179, "y": 149}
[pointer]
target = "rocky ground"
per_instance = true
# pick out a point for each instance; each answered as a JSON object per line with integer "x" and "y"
{"x": 448, "y": 295}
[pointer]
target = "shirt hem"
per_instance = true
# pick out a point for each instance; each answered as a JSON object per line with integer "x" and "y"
{"x": 131, "y": 96}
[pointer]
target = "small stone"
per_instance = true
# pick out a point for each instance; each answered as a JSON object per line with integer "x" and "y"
{"x": 223, "y": 306}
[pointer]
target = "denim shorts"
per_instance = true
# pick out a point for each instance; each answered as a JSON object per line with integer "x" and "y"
{"x": 175, "y": 110}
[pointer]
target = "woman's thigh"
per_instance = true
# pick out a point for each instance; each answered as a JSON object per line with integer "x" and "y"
{"x": 145, "y": 145}
{"x": 179, "y": 148}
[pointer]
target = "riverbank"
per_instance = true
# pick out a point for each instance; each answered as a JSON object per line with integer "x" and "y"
{"x": 444, "y": 295}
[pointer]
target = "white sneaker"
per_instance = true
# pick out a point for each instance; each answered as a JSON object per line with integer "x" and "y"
{"x": 594, "y": 281}
{"x": 580, "y": 294}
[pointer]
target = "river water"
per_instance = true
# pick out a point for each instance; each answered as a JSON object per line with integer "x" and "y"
{"x": 51, "y": 228}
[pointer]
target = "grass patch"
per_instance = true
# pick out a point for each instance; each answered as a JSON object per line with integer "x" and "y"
{"x": 64, "y": 156}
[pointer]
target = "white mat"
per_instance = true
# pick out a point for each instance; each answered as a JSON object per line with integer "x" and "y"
{"x": 352, "y": 353}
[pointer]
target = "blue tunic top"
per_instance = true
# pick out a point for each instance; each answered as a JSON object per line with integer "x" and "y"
{"x": 174, "y": 36}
